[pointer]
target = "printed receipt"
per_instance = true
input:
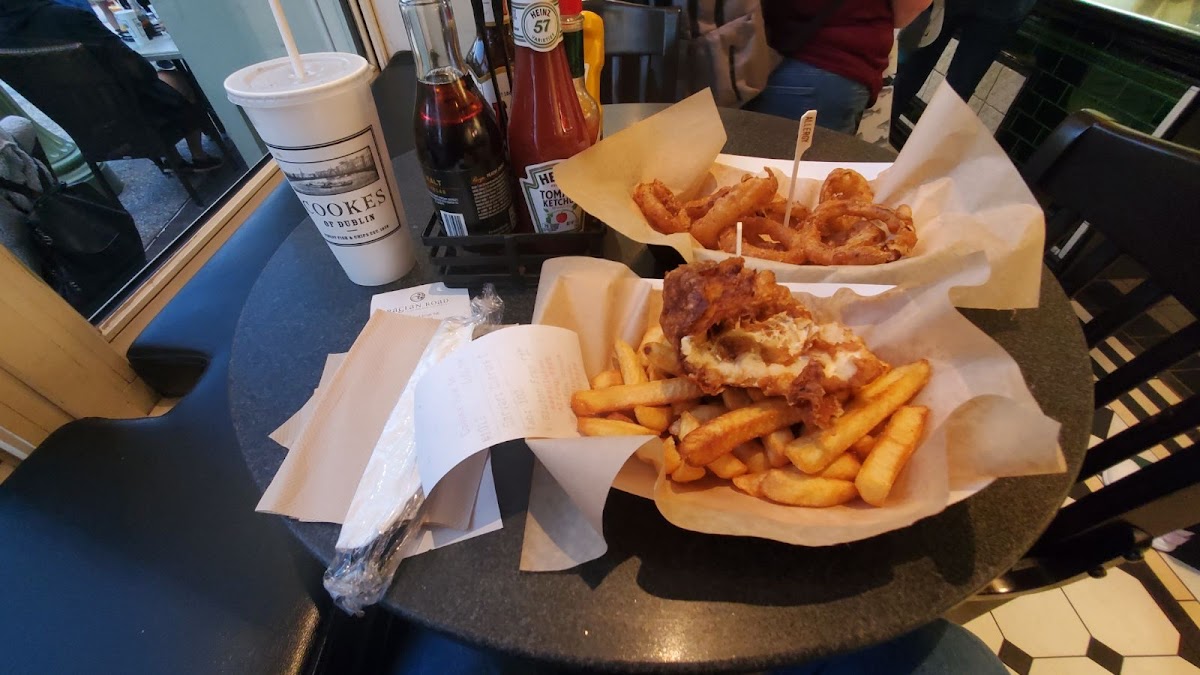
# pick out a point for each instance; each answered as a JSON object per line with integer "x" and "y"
{"x": 433, "y": 301}
{"x": 514, "y": 383}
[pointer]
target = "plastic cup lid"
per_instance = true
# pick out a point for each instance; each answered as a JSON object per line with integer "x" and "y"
{"x": 273, "y": 83}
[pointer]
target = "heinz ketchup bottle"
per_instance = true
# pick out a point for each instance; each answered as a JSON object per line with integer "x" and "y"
{"x": 545, "y": 123}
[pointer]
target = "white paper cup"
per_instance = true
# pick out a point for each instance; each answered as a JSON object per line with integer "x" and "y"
{"x": 324, "y": 133}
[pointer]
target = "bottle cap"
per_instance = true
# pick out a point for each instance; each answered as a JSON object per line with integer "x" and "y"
{"x": 569, "y": 7}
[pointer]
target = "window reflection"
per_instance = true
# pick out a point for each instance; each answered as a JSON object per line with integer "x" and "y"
{"x": 1180, "y": 14}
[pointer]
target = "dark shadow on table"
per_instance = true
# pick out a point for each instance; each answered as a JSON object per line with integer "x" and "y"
{"x": 678, "y": 564}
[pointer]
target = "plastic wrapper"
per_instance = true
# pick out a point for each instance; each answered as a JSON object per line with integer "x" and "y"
{"x": 387, "y": 512}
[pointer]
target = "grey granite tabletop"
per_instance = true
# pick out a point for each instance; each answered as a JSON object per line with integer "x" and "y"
{"x": 662, "y": 598}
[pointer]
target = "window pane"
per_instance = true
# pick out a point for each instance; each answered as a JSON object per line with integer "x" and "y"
{"x": 125, "y": 98}
{"x": 1181, "y": 16}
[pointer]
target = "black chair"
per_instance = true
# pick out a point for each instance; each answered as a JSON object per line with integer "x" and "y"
{"x": 133, "y": 545}
{"x": 1137, "y": 195}
{"x": 641, "y": 48}
{"x": 97, "y": 108}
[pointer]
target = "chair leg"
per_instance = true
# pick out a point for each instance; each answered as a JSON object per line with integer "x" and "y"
{"x": 215, "y": 133}
{"x": 187, "y": 185}
{"x": 104, "y": 184}
{"x": 176, "y": 163}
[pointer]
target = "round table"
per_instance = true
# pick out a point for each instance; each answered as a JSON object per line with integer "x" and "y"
{"x": 662, "y": 598}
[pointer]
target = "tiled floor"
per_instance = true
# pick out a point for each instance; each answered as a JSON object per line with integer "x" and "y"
{"x": 996, "y": 91}
{"x": 1142, "y": 617}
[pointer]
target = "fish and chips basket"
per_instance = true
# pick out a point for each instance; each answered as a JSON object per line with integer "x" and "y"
{"x": 966, "y": 418}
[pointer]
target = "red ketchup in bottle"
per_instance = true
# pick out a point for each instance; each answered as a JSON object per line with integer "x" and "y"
{"x": 545, "y": 122}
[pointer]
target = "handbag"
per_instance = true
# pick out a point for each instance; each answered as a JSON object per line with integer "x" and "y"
{"x": 86, "y": 248}
{"x": 724, "y": 48}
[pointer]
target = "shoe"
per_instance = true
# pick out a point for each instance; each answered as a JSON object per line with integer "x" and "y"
{"x": 203, "y": 165}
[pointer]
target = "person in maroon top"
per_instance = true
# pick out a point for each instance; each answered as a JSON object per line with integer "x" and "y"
{"x": 835, "y": 52}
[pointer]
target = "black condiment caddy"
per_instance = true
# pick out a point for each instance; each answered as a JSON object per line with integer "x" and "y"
{"x": 512, "y": 260}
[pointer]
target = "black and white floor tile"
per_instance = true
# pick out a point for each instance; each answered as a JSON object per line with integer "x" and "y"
{"x": 1142, "y": 617}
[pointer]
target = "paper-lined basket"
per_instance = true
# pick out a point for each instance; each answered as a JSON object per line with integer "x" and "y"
{"x": 965, "y": 194}
{"x": 983, "y": 424}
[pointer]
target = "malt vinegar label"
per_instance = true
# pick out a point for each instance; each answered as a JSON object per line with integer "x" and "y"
{"x": 343, "y": 187}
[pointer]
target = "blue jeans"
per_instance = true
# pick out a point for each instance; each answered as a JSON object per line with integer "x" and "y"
{"x": 939, "y": 648}
{"x": 796, "y": 87}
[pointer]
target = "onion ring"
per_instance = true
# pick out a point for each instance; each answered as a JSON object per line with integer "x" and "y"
{"x": 843, "y": 220}
{"x": 661, "y": 208}
{"x": 697, "y": 208}
{"x": 745, "y": 197}
{"x": 846, "y": 184}
{"x": 753, "y": 229}
{"x": 777, "y": 208}
{"x": 905, "y": 239}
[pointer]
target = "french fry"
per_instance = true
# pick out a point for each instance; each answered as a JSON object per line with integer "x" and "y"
{"x": 620, "y": 417}
{"x": 735, "y": 398}
{"x": 653, "y": 334}
{"x": 891, "y": 452}
{"x": 776, "y": 444}
{"x": 657, "y": 418}
{"x": 776, "y": 441}
{"x": 702, "y": 413}
{"x": 687, "y": 424}
{"x": 662, "y": 356}
{"x": 753, "y": 455}
{"x": 627, "y": 360}
{"x": 859, "y": 420}
{"x": 845, "y": 467}
{"x": 606, "y": 379}
{"x": 789, "y": 486}
{"x": 727, "y": 466}
{"x": 875, "y": 387}
{"x": 671, "y": 459}
{"x": 653, "y": 374}
{"x": 814, "y": 452}
{"x": 750, "y": 483}
{"x": 628, "y": 396}
{"x": 679, "y": 407}
{"x": 707, "y": 412}
{"x": 862, "y": 447}
{"x": 652, "y": 453}
{"x": 687, "y": 473}
{"x": 721, "y": 435}
{"x": 596, "y": 426}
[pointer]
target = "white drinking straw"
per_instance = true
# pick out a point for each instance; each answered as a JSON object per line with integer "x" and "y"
{"x": 738, "y": 247}
{"x": 803, "y": 142}
{"x": 289, "y": 42}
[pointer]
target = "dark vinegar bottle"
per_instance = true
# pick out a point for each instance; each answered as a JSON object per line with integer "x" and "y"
{"x": 459, "y": 144}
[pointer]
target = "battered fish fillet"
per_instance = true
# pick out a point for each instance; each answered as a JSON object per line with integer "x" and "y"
{"x": 738, "y": 327}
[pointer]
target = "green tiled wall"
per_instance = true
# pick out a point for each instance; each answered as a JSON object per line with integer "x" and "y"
{"x": 1076, "y": 68}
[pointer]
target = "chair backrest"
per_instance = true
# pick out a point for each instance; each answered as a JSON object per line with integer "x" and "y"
{"x": 1138, "y": 197}
{"x": 91, "y": 102}
{"x": 641, "y": 47}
